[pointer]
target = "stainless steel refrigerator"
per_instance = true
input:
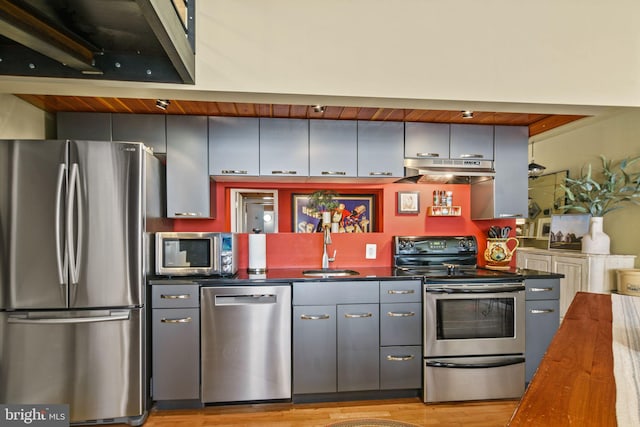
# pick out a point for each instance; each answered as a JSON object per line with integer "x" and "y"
{"x": 74, "y": 251}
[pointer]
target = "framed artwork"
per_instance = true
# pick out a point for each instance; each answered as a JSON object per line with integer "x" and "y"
{"x": 567, "y": 230}
{"x": 409, "y": 202}
{"x": 543, "y": 227}
{"x": 355, "y": 214}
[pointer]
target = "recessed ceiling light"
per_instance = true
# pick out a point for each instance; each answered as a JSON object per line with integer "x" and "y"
{"x": 467, "y": 114}
{"x": 318, "y": 108}
{"x": 162, "y": 103}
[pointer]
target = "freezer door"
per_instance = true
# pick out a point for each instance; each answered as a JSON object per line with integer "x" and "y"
{"x": 91, "y": 360}
{"x": 106, "y": 201}
{"x": 32, "y": 250}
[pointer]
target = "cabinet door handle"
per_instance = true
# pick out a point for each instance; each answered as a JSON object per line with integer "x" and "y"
{"x": 545, "y": 311}
{"x": 357, "y": 315}
{"x": 541, "y": 289}
{"x": 401, "y": 314}
{"x": 187, "y": 214}
{"x": 314, "y": 316}
{"x": 427, "y": 155}
{"x": 333, "y": 173}
{"x": 380, "y": 174}
{"x": 401, "y": 358}
{"x": 234, "y": 171}
{"x": 183, "y": 320}
{"x": 471, "y": 156}
{"x": 507, "y": 215}
{"x": 284, "y": 172}
{"x": 400, "y": 292}
{"x": 180, "y": 296}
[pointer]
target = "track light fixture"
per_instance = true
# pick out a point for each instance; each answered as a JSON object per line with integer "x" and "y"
{"x": 319, "y": 108}
{"x": 162, "y": 103}
{"x": 535, "y": 169}
{"x": 467, "y": 114}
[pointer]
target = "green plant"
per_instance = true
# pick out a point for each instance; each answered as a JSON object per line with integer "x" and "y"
{"x": 616, "y": 187}
{"x": 323, "y": 201}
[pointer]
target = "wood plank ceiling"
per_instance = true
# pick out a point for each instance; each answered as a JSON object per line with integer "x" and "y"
{"x": 537, "y": 123}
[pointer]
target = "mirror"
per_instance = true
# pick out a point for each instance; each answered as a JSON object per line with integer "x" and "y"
{"x": 545, "y": 197}
{"x": 254, "y": 209}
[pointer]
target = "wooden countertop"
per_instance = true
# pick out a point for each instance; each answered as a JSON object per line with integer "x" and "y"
{"x": 575, "y": 384}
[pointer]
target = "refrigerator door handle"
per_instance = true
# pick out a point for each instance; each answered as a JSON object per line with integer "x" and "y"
{"x": 61, "y": 263}
{"x": 75, "y": 251}
{"x": 53, "y": 320}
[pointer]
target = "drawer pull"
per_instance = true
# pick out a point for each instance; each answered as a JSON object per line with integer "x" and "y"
{"x": 357, "y": 315}
{"x": 179, "y": 296}
{"x": 401, "y": 314}
{"x": 401, "y": 358}
{"x": 314, "y": 316}
{"x": 234, "y": 171}
{"x": 545, "y": 311}
{"x": 183, "y": 320}
{"x": 541, "y": 289}
{"x": 401, "y": 292}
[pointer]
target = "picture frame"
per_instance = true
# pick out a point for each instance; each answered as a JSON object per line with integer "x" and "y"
{"x": 543, "y": 228}
{"x": 567, "y": 230}
{"x": 355, "y": 214}
{"x": 408, "y": 202}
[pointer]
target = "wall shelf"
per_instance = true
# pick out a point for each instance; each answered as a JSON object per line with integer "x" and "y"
{"x": 444, "y": 211}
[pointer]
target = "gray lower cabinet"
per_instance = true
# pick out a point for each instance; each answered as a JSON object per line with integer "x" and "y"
{"x": 380, "y": 149}
{"x": 84, "y": 126}
{"x": 188, "y": 184}
{"x": 175, "y": 351}
{"x": 149, "y": 129}
{"x": 542, "y": 320}
{"x": 400, "y": 334}
{"x": 335, "y": 336}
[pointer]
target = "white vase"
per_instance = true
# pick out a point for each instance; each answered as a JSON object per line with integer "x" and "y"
{"x": 596, "y": 241}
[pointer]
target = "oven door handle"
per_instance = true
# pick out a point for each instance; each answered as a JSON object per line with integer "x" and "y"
{"x": 505, "y": 362}
{"x": 474, "y": 290}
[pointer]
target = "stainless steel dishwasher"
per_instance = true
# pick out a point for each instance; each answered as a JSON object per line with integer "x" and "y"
{"x": 245, "y": 343}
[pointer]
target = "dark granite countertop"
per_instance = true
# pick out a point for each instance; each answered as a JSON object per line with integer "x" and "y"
{"x": 295, "y": 274}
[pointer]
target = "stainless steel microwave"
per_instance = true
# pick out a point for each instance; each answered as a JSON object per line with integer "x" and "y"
{"x": 196, "y": 254}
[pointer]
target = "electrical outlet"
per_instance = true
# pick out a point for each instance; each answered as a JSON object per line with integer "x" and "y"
{"x": 370, "y": 252}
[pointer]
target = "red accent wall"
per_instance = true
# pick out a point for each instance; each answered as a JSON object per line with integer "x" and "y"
{"x": 287, "y": 249}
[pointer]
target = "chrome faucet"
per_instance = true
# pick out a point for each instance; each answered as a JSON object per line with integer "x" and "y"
{"x": 326, "y": 241}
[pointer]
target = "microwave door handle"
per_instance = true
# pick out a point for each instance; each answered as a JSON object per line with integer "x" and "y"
{"x": 505, "y": 362}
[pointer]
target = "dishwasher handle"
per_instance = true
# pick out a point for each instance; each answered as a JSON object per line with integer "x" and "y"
{"x": 245, "y": 299}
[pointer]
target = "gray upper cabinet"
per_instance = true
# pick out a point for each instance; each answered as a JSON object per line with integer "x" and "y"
{"x": 84, "y": 126}
{"x": 471, "y": 142}
{"x": 380, "y": 149}
{"x": 187, "y": 167}
{"x": 146, "y": 128}
{"x": 426, "y": 140}
{"x": 505, "y": 196}
{"x": 284, "y": 147}
{"x": 333, "y": 148}
{"x": 234, "y": 146}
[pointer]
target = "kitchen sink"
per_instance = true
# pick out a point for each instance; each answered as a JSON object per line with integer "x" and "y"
{"x": 329, "y": 272}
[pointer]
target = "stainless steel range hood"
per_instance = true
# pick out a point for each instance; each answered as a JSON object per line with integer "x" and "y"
{"x": 446, "y": 171}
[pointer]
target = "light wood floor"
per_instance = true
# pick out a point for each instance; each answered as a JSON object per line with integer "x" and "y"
{"x": 468, "y": 414}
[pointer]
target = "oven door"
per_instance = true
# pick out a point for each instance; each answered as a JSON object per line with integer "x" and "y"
{"x": 468, "y": 319}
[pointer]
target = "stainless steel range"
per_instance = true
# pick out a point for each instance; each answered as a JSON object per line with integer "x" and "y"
{"x": 473, "y": 340}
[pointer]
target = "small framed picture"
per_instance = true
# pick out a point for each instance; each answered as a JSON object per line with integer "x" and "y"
{"x": 543, "y": 228}
{"x": 567, "y": 231}
{"x": 408, "y": 202}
